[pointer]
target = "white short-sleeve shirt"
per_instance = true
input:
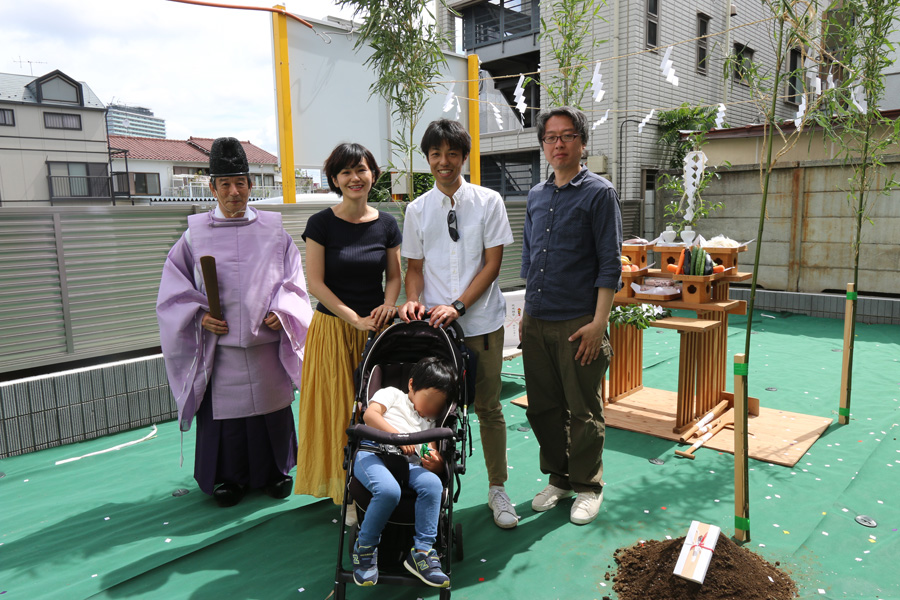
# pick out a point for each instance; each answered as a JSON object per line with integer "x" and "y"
{"x": 400, "y": 412}
{"x": 450, "y": 266}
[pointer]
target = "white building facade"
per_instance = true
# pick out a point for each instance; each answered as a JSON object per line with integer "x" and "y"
{"x": 135, "y": 121}
{"x": 506, "y": 35}
{"x": 52, "y": 142}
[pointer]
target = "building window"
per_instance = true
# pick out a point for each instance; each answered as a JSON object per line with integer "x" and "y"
{"x": 7, "y": 117}
{"x": 78, "y": 180}
{"x": 702, "y": 44}
{"x": 743, "y": 56}
{"x": 62, "y": 121}
{"x": 57, "y": 89}
{"x": 652, "y": 23}
{"x": 795, "y": 77}
{"x": 146, "y": 184}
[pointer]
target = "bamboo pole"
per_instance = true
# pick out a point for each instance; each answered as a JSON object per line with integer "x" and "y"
{"x": 844, "y": 409}
{"x": 741, "y": 474}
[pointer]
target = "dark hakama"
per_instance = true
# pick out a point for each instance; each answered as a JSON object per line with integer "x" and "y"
{"x": 252, "y": 451}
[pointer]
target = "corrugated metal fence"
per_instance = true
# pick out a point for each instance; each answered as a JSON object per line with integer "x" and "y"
{"x": 78, "y": 283}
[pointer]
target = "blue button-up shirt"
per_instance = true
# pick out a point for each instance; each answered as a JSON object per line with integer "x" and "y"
{"x": 571, "y": 246}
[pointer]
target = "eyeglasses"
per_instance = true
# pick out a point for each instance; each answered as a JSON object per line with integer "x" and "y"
{"x": 566, "y": 137}
{"x": 451, "y": 225}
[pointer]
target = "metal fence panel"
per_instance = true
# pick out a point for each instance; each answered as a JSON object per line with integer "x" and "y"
{"x": 81, "y": 282}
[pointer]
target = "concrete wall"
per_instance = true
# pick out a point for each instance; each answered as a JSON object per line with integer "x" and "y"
{"x": 810, "y": 226}
{"x": 26, "y": 148}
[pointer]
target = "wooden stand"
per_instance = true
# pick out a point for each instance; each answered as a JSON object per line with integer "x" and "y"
{"x": 668, "y": 255}
{"x": 703, "y": 347}
{"x": 727, "y": 257}
{"x": 637, "y": 254}
{"x": 625, "y": 375}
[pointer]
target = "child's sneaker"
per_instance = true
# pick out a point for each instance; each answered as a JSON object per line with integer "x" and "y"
{"x": 365, "y": 565}
{"x": 427, "y": 567}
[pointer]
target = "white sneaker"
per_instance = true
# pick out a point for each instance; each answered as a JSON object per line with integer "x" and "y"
{"x": 351, "y": 520}
{"x": 549, "y": 497}
{"x": 505, "y": 516}
{"x": 586, "y": 507}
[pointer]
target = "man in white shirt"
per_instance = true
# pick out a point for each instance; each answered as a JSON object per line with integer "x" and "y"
{"x": 453, "y": 238}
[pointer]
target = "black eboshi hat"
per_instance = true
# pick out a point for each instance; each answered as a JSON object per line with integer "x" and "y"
{"x": 227, "y": 158}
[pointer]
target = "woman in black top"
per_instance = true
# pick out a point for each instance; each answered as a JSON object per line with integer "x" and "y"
{"x": 349, "y": 249}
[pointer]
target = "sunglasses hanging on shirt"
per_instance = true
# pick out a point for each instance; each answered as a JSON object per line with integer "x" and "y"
{"x": 451, "y": 225}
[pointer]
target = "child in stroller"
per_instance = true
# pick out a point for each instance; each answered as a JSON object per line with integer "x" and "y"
{"x": 432, "y": 381}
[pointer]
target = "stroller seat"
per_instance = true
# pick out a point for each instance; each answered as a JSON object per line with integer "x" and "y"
{"x": 395, "y": 375}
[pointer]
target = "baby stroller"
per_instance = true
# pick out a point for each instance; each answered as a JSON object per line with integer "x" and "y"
{"x": 387, "y": 361}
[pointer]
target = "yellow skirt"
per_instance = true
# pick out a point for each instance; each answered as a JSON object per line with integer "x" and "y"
{"x": 333, "y": 351}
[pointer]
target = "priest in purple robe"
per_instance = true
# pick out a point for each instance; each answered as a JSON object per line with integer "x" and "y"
{"x": 236, "y": 375}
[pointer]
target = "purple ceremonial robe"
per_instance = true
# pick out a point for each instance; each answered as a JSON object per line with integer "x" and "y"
{"x": 249, "y": 369}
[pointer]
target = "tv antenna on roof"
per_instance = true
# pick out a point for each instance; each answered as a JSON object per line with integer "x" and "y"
{"x": 31, "y": 63}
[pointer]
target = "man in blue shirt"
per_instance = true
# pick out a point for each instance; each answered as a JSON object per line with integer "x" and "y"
{"x": 570, "y": 260}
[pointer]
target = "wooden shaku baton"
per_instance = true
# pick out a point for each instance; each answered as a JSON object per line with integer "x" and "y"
{"x": 211, "y": 281}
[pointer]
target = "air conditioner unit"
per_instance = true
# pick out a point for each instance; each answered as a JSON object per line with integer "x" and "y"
{"x": 597, "y": 164}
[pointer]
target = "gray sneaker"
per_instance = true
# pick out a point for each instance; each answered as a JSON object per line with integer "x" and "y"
{"x": 505, "y": 516}
{"x": 549, "y": 497}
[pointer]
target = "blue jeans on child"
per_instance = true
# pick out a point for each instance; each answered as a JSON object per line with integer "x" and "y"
{"x": 369, "y": 469}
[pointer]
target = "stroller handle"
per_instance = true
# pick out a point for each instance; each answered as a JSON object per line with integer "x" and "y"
{"x": 454, "y": 327}
{"x": 365, "y": 432}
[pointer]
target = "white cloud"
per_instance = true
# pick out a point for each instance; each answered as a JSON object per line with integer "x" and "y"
{"x": 206, "y": 71}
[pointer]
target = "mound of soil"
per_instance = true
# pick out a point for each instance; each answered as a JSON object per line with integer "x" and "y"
{"x": 734, "y": 572}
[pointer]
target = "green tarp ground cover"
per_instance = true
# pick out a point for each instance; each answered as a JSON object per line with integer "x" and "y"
{"x": 108, "y": 526}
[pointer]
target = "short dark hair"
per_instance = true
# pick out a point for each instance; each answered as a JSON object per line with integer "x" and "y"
{"x": 445, "y": 130}
{"x": 579, "y": 121}
{"x": 215, "y": 178}
{"x": 432, "y": 372}
{"x": 345, "y": 156}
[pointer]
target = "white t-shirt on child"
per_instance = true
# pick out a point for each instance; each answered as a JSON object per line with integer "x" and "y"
{"x": 400, "y": 412}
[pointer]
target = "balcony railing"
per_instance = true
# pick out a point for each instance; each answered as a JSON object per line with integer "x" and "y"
{"x": 203, "y": 191}
{"x": 489, "y": 23}
{"x": 67, "y": 187}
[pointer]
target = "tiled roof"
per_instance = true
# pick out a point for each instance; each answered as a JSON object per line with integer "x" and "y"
{"x": 13, "y": 89}
{"x": 190, "y": 150}
{"x": 255, "y": 155}
{"x": 157, "y": 149}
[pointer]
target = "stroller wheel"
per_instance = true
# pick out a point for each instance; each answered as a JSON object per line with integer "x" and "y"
{"x": 445, "y": 594}
{"x": 458, "y": 551}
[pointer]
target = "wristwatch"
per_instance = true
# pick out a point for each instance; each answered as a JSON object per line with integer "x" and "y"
{"x": 459, "y": 306}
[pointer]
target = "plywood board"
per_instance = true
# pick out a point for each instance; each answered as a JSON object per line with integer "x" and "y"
{"x": 776, "y": 436}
